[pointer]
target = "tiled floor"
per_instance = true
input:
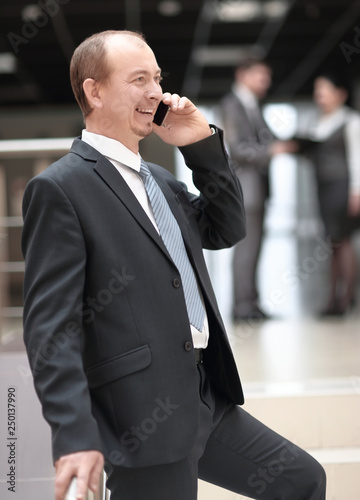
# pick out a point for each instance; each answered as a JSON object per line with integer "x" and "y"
{"x": 295, "y": 350}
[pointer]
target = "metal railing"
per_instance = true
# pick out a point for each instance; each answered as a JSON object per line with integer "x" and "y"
{"x": 37, "y": 151}
{"x": 34, "y": 148}
{"x": 102, "y": 494}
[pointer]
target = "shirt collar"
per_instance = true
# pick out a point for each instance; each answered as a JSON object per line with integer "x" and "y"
{"x": 245, "y": 95}
{"x": 112, "y": 149}
{"x": 327, "y": 124}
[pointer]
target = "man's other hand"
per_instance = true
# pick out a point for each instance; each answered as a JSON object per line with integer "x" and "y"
{"x": 86, "y": 466}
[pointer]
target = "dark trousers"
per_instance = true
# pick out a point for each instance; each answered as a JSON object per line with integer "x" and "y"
{"x": 245, "y": 261}
{"x": 233, "y": 450}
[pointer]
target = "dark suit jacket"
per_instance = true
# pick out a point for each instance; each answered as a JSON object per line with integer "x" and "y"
{"x": 248, "y": 145}
{"x": 105, "y": 320}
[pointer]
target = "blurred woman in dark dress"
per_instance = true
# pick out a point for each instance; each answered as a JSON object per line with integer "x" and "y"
{"x": 336, "y": 156}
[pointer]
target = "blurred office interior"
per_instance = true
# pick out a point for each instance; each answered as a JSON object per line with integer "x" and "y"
{"x": 301, "y": 372}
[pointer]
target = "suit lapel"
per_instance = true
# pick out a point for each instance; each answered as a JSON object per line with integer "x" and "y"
{"x": 116, "y": 183}
{"x": 254, "y": 118}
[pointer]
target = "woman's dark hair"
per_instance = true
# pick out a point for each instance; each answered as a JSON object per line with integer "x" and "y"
{"x": 339, "y": 80}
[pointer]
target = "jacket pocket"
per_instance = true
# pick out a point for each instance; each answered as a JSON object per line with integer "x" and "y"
{"x": 119, "y": 366}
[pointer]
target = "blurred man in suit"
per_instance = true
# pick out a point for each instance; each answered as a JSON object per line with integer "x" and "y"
{"x": 251, "y": 146}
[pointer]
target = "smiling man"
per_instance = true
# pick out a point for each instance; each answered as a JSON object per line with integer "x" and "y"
{"x": 130, "y": 357}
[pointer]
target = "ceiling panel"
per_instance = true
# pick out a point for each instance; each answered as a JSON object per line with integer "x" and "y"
{"x": 313, "y": 35}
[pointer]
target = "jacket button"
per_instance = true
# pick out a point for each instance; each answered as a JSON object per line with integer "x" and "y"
{"x": 188, "y": 346}
{"x": 176, "y": 283}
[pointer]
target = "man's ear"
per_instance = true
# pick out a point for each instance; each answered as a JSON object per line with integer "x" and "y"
{"x": 91, "y": 90}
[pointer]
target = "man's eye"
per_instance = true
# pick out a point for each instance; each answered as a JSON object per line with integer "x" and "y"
{"x": 158, "y": 79}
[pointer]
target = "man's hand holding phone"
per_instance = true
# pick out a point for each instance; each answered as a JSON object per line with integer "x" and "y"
{"x": 179, "y": 122}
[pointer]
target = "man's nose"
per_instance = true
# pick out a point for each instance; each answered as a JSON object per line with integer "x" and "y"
{"x": 154, "y": 91}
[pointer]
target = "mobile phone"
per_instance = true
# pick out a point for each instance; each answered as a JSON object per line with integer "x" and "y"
{"x": 161, "y": 113}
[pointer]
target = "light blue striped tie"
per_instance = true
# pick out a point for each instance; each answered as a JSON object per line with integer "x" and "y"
{"x": 173, "y": 240}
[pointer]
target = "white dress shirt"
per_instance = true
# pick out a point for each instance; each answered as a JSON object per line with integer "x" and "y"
{"x": 327, "y": 124}
{"x": 248, "y": 98}
{"x": 127, "y": 164}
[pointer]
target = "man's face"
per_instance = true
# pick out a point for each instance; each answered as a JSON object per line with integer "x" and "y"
{"x": 257, "y": 79}
{"x": 132, "y": 93}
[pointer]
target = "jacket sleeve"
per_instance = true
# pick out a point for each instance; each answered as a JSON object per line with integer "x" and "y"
{"x": 220, "y": 206}
{"x": 246, "y": 149}
{"x": 55, "y": 258}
